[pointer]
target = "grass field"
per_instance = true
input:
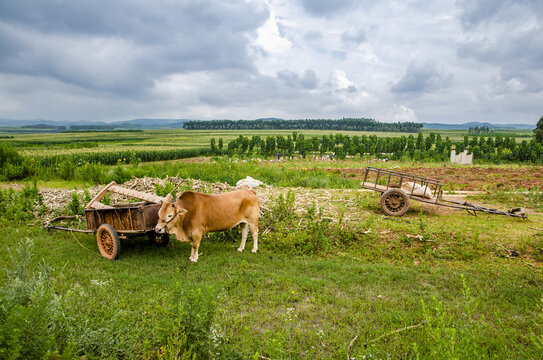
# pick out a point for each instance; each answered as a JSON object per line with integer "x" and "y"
{"x": 331, "y": 280}
{"x": 432, "y": 284}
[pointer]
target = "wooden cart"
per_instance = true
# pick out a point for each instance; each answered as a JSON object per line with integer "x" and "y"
{"x": 399, "y": 188}
{"x": 112, "y": 223}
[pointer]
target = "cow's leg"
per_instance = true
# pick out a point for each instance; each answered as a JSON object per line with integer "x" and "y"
{"x": 244, "y": 232}
{"x": 191, "y": 252}
{"x": 195, "y": 244}
{"x": 254, "y": 233}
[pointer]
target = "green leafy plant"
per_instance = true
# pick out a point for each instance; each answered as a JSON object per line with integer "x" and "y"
{"x": 449, "y": 336}
{"x": 74, "y": 206}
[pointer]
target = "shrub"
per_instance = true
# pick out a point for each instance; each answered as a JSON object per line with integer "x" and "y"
{"x": 119, "y": 174}
{"x": 19, "y": 206}
{"x": 26, "y": 307}
{"x": 66, "y": 170}
{"x": 74, "y": 206}
{"x": 13, "y": 165}
{"x": 454, "y": 337}
{"x": 310, "y": 233}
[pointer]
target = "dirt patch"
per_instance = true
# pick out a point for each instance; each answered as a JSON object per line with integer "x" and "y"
{"x": 58, "y": 199}
{"x": 15, "y": 187}
{"x": 470, "y": 178}
{"x": 335, "y": 204}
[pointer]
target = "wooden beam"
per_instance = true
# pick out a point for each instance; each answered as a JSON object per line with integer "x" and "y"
{"x": 136, "y": 194}
{"x": 99, "y": 206}
{"x": 100, "y": 195}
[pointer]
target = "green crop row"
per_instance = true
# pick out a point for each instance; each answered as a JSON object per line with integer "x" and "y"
{"x": 432, "y": 147}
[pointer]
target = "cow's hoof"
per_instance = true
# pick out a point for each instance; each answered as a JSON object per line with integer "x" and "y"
{"x": 193, "y": 260}
{"x": 254, "y": 251}
{"x": 240, "y": 249}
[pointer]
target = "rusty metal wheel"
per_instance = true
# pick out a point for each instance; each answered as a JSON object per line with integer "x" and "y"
{"x": 394, "y": 202}
{"x": 108, "y": 242}
{"x": 159, "y": 239}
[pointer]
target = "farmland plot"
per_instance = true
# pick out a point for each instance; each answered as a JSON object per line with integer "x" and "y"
{"x": 334, "y": 277}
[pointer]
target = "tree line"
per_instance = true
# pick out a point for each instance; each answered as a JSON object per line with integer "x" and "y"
{"x": 346, "y": 124}
{"x": 430, "y": 148}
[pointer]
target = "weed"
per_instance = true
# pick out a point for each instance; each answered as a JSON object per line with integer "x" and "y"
{"x": 26, "y": 307}
{"x": 20, "y": 206}
{"x": 74, "y": 206}
{"x": 163, "y": 190}
{"x": 454, "y": 337}
{"x": 537, "y": 335}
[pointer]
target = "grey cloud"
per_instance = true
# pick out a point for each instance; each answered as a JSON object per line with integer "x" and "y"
{"x": 423, "y": 77}
{"x": 313, "y": 36}
{"x": 516, "y": 51}
{"x": 326, "y": 7}
{"x": 307, "y": 81}
{"x": 131, "y": 42}
{"x": 356, "y": 38}
{"x": 474, "y": 12}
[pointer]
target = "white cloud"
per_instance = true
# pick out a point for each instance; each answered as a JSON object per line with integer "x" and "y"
{"x": 268, "y": 36}
{"x": 449, "y": 61}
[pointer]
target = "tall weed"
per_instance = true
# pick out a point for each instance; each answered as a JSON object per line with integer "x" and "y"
{"x": 20, "y": 206}
{"x": 450, "y": 336}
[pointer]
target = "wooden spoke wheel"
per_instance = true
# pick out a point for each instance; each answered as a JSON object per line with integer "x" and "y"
{"x": 159, "y": 239}
{"x": 108, "y": 242}
{"x": 394, "y": 202}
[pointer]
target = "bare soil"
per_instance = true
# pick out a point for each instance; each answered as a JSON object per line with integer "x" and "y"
{"x": 470, "y": 178}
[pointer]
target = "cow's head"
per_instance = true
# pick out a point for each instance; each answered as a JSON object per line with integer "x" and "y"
{"x": 169, "y": 214}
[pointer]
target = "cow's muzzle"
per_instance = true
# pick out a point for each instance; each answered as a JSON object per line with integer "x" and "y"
{"x": 160, "y": 229}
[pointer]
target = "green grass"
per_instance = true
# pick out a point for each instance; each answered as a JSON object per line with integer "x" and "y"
{"x": 376, "y": 276}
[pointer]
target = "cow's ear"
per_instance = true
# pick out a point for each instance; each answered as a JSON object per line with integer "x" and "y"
{"x": 181, "y": 211}
{"x": 168, "y": 198}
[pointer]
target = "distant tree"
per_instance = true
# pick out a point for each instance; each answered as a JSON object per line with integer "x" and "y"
{"x": 538, "y": 131}
{"x": 420, "y": 142}
{"x": 213, "y": 146}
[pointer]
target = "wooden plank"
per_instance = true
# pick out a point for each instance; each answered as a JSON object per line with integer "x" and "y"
{"x": 99, "y": 206}
{"x": 99, "y": 196}
{"x": 136, "y": 194}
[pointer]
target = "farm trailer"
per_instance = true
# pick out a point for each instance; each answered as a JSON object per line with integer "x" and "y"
{"x": 399, "y": 188}
{"x": 111, "y": 223}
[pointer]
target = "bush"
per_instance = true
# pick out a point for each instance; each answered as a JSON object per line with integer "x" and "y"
{"x": 447, "y": 336}
{"x": 19, "y": 206}
{"x": 14, "y": 166}
{"x": 27, "y": 303}
{"x": 310, "y": 233}
{"x": 74, "y": 206}
{"x": 36, "y": 322}
{"x": 93, "y": 173}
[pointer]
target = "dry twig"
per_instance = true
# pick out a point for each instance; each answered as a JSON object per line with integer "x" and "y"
{"x": 395, "y": 332}
{"x": 349, "y": 347}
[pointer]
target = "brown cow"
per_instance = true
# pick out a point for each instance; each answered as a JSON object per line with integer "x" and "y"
{"x": 194, "y": 214}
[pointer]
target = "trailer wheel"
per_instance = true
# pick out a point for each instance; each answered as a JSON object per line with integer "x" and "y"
{"x": 159, "y": 239}
{"x": 108, "y": 242}
{"x": 394, "y": 202}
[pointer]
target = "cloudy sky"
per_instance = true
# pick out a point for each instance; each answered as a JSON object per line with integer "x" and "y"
{"x": 447, "y": 61}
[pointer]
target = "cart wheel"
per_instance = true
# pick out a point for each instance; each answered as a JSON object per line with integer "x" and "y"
{"x": 159, "y": 239}
{"x": 108, "y": 242}
{"x": 394, "y": 202}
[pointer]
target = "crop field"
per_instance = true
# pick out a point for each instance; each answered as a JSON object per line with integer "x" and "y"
{"x": 47, "y": 144}
{"x": 334, "y": 277}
